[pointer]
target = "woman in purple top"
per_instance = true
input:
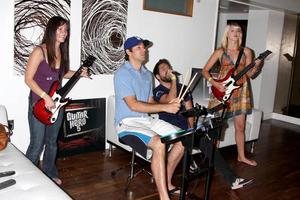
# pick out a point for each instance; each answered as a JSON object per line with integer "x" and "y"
{"x": 47, "y": 63}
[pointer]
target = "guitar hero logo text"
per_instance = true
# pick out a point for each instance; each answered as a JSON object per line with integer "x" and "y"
{"x": 77, "y": 119}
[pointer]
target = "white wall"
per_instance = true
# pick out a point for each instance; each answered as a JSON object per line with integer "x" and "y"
{"x": 13, "y": 90}
{"x": 265, "y": 32}
{"x": 186, "y": 41}
{"x": 257, "y": 23}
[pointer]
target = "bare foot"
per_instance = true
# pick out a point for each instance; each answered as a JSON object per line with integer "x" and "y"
{"x": 57, "y": 181}
{"x": 248, "y": 161}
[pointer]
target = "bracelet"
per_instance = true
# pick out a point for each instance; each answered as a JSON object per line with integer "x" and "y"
{"x": 43, "y": 94}
{"x": 209, "y": 79}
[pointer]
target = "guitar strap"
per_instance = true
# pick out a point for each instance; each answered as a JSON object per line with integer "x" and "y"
{"x": 239, "y": 58}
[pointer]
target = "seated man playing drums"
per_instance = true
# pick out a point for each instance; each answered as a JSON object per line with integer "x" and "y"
{"x": 170, "y": 89}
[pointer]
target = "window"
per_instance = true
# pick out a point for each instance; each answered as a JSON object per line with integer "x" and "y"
{"x": 178, "y": 7}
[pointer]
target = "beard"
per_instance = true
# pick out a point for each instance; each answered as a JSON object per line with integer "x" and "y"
{"x": 166, "y": 79}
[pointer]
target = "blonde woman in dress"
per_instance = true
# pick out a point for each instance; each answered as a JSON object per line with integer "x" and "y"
{"x": 241, "y": 99}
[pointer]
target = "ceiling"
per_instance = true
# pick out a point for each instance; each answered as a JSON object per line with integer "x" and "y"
{"x": 243, "y": 6}
{"x": 227, "y": 6}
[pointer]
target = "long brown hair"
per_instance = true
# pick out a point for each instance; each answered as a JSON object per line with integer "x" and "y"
{"x": 50, "y": 38}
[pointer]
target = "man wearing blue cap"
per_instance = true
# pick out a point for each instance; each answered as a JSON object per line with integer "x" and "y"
{"x": 134, "y": 101}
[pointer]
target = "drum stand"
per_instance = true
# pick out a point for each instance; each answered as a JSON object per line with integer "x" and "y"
{"x": 213, "y": 133}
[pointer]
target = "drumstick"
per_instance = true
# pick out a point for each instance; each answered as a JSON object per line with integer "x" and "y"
{"x": 185, "y": 77}
{"x": 187, "y": 88}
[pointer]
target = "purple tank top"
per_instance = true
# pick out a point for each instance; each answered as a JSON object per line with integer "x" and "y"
{"x": 45, "y": 76}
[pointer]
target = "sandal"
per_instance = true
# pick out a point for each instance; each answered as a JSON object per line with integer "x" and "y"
{"x": 176, "y": 191}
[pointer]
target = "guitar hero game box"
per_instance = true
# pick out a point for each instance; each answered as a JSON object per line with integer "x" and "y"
{"x": 83, "y": 127}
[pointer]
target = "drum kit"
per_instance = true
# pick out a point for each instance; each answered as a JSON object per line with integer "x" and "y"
{"x": 208, "y": 123}
{"x": 209, "y": 127}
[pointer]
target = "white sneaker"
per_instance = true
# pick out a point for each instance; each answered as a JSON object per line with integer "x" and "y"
{"x": 240, "y": 182}
{"x": 193, "y": 167}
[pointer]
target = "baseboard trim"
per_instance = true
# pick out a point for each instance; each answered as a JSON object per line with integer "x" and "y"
{"x": 284, "y": 118}
{"x": 267, "y": 116}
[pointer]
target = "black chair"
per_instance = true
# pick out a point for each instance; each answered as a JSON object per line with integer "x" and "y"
{"x": 138, "y": 148}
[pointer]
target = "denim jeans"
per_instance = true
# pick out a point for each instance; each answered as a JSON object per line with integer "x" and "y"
{"x": 43, "y": 136}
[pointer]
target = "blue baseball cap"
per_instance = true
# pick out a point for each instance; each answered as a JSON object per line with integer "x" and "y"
{"x": 133, "y": 41}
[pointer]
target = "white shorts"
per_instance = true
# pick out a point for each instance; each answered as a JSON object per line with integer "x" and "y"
{"x": 138, "y": 131}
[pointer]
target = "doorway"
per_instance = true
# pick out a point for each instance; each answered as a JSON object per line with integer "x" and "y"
{"x": 287, "y": 99}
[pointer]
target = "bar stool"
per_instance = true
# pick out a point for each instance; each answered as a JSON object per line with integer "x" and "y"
{"x": 138, "y": 148}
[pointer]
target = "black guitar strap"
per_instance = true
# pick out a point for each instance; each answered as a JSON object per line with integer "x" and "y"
{"x": 239, "y": 58}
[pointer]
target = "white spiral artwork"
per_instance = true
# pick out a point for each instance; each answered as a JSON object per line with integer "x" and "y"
{"x": 103, "y": 33}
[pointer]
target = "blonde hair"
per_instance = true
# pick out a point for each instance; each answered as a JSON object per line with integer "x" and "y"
{"x": 224, "y": 42}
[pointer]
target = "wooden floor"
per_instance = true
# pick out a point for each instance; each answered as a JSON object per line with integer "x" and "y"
{"x": 277, "y": 176}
